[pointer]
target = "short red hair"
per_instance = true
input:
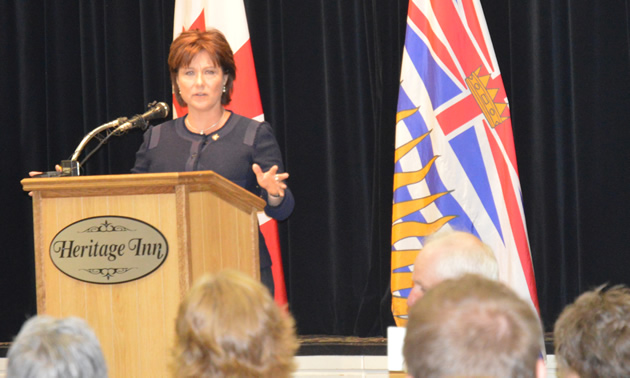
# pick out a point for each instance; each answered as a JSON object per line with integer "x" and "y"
{"x": 190, "y": 43}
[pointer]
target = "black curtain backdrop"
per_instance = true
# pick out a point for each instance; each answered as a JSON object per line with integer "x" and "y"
{"x": 328, "y": 73}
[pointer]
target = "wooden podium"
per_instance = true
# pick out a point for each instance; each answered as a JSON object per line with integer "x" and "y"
{"x": 208, "y": 222}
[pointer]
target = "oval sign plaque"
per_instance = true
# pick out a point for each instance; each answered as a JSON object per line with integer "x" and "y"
{"x": 108, "y": 250}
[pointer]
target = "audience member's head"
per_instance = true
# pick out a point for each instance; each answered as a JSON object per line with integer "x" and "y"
{"x": 56, "y": 348}
{"x": 473, "y": 326}
{"x": 592, "y": 335}
{"x": 229, "y": 326}
{"x": 450, "y": 254}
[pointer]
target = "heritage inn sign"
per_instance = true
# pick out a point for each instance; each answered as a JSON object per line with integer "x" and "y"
{"x": 108, "y": 249}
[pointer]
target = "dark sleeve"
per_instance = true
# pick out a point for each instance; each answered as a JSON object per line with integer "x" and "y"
{"x": 267, "y": 154}
{"x": 142, "y": 162}
{"x": 282, "y": 211}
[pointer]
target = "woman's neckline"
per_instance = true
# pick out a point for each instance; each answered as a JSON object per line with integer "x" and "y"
{"x": 215, "y": 127}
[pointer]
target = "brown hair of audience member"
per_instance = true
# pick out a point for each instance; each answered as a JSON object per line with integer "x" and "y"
{"x": 229, "y": 326}
{"x": 473, "y": 326}
{"x": 190, "y": 43}
{"x": 592, "y": 335}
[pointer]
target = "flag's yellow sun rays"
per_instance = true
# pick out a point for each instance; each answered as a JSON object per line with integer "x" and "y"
{"x": 402, "y": 260}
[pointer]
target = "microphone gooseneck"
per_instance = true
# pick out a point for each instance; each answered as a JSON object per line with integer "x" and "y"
{"x": 119, "y": 126}
{"x": 91, "y": 134}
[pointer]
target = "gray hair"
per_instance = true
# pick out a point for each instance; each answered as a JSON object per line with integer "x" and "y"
{"x": 47, "y": 347}
{"x": 463, "y": 253}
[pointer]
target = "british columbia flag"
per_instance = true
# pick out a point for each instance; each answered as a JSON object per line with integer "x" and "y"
{"x": 455, "y": 160}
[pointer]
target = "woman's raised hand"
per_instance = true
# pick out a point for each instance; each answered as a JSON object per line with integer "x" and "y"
{"x": 271, "y": 181}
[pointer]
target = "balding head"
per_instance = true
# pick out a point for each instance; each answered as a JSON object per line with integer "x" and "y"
{"x": 473, "y": 327}
{"x": 450, "y": 255}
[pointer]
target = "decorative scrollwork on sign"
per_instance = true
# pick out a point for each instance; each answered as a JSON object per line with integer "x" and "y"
{"x": 108, "y": 272}
{"x": 107, "y": 227}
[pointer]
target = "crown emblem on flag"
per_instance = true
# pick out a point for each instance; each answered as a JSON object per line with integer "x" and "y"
{"x": 485, "y": 97}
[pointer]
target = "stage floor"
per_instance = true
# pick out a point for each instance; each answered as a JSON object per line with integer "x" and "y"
{"x": 332, "y": 356}
{"x": 322, "y": 345}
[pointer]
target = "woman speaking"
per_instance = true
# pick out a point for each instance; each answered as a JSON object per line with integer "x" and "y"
{"x": 213, "y": 138}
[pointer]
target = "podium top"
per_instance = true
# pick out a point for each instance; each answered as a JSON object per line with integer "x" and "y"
{"x": 142, "y": 183}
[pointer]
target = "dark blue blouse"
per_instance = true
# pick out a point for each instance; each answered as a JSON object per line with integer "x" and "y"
{"x": 229, "y": 152}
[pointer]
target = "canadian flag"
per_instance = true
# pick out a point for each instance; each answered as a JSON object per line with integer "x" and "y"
{"x": 229, "y": 17}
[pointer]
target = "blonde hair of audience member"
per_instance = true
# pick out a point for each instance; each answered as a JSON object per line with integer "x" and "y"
{"x": 229, "y": 326}
{"x": 473, "y": 326}
{"x": 450, "y": 254}
{"x": 47, "y": 347}
{"x": 592, "y": 335}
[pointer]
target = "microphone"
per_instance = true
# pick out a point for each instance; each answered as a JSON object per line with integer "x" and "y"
{"x": 156, "y": 110}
